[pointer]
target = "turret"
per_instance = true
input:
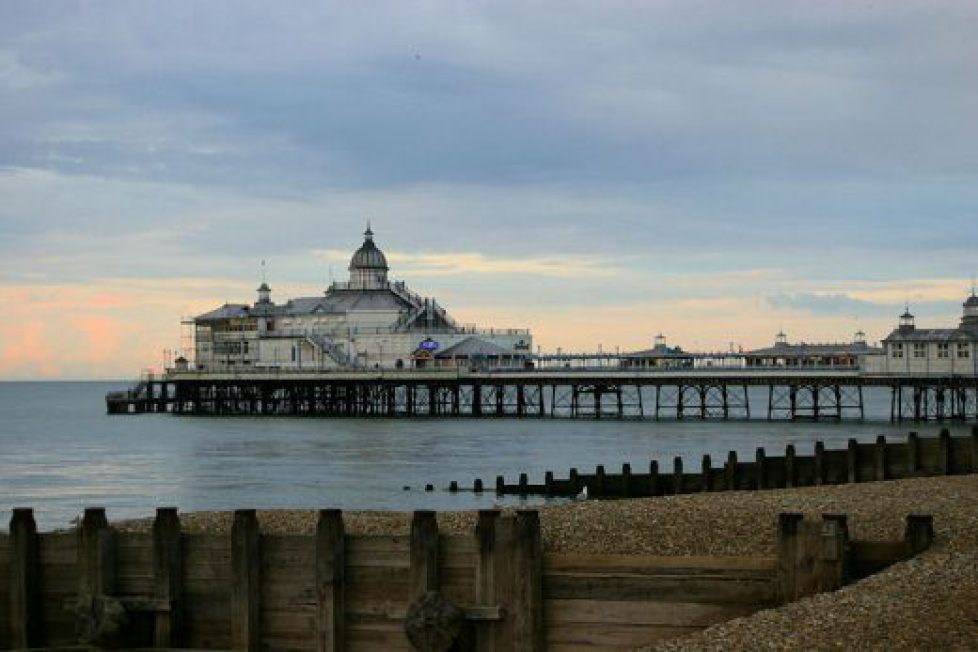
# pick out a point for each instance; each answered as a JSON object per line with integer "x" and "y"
{"x": 906, "y": 321}
{"x": 781, "y": 339}
{"x": 264, "y": 293}
{"x": 969, "y": 318}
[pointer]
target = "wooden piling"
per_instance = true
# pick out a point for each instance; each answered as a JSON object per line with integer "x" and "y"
{"x": 527, "y": 603}
{"x": 96, "y": 554}
{"x": 731, "y": 471}
{"x": 25, "y": 589}
{"x": 944, "y": 452}
{"x": 759, "y": 470}
{"x": 548, "y": 483}
{"x": 245, "y": 581}
{"x": 919, "y": 533}
{"x": 598, "y": 488}
{"x": 653, "y": 478}
{"x": 330, "y": 581}
{"x": 913, "y": 455}
{"x": 789, "y": 466}
{"x": 423, "y": 574}
{"x": 677, "y": 475}
{"x": 707, "y": 473}
{"x": 819, "y": 464}
{"x": 485, "y": 573}
{"x": 789, "y": 526}
{"x": 879, "y": 457}
{"x": 852, "y": 461}
{"x": 626, "y": 480}
{"x": 168, "y": 578}
{"x": 833, "y": 560}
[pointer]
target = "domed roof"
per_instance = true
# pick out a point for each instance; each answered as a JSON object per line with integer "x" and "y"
{"x": 368, "y": 256}
{"x": 971, "y": 302}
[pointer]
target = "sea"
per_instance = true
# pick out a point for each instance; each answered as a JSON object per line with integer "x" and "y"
{"x": 60, "y": 452}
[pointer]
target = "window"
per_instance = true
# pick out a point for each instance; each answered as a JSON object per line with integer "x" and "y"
{"x": 943, "y": 350}
{"x": 896, "y": 350}
{"x": 964, "y": 350}
{"x": 919, "y": 350}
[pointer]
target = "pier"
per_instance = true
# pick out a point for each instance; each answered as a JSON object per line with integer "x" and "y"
{"x": 723, "y": 394}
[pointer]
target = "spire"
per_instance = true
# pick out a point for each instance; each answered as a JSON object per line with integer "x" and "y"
{"x": 368, "y": 234}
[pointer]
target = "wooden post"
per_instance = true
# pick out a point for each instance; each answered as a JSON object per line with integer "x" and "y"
{"x": 245, "y": 581}
{"x": 789, "y": 525}
{"x": 423, "y": 574}
{"x": 677, "y": 475}
{"x": 548, "y": 483}
{"x": 707, "y": 473}
{"x": 974, "y": 449}
{"x": 944, "y": 452}
{"x": 96, "y": 562}
{"x": 503, "y": 582}
{"x": 653, "y": 478}
{"x": 500, "y": 484}
{"x": 485, "y": 576}
{"x": 524, "y": 482}
{"x": 789, "y": 465}
{"x": 879, "y": 457}
{"x": 527, "y": 611}
{"x": 168, "y": 577}
{"x": 25, "y": 594}
{"x": 833, "y": 571}
{"x": 477, "y": 486}
{"x": 852, "y": 461}
{"x": 919, "y": 533}
{"x": 575, "y": 482}
{"x": 598, "y": 488}
{"x": 330, "y": 581}
{"x": 626, "y": 480}
{"x": 732, "y": 470}
{"x": 819, "y": 463}
{"x": 761, "y": 481}
{"x": 913, "y": 455}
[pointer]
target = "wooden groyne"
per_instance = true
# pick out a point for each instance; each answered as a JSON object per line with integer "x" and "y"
{"x": 494, "y": 588}
{"x": 881, "y": 460}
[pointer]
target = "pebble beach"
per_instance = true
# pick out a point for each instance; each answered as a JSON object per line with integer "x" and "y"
{"x": 927, "y": 603}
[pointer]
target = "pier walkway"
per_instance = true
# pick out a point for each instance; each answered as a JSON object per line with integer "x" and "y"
{"x": 720, "y": 393}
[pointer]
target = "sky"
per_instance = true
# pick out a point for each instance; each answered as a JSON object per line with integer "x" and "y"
{"x": 599, "y": 172}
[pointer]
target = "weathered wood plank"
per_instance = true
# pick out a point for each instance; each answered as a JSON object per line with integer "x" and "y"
{"x": 655, "y": 564}
{"x": 642, "y": 612}
{"x": 330, "y": 583}
{"x": 667, "y": 588}
{"x": 364, "y": 550}
{"x": 527, "y": 599}
{"x": 603, "y": 635}
{"x": 24, "y": 587}
{"x": 423, "y": 573}
{"x": 246, "y": 581}
{"x": 167, "y": 564}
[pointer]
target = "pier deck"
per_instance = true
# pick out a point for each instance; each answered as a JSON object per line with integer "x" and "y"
{"x": 816, "y": 394}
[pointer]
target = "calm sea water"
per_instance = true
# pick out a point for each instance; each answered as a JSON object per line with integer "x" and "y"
{"x": 60, "y": 452}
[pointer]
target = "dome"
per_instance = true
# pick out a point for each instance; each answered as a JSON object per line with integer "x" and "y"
{"x": 971, "y": 302}
{"x": 368, "y": 256}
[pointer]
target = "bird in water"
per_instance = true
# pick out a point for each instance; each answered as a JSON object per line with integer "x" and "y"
{"x": 582, "y": 495}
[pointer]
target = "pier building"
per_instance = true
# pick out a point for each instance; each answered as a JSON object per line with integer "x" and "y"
{"x": 932, "y": 351}
{"x": 844, "y": 355}
{"x": 367, "y": 322}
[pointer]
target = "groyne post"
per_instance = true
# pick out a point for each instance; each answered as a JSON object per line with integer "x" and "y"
{"x": 25, "y": 591}
{"x": 168, "y": 578}
{"x": 245, "y": 581}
